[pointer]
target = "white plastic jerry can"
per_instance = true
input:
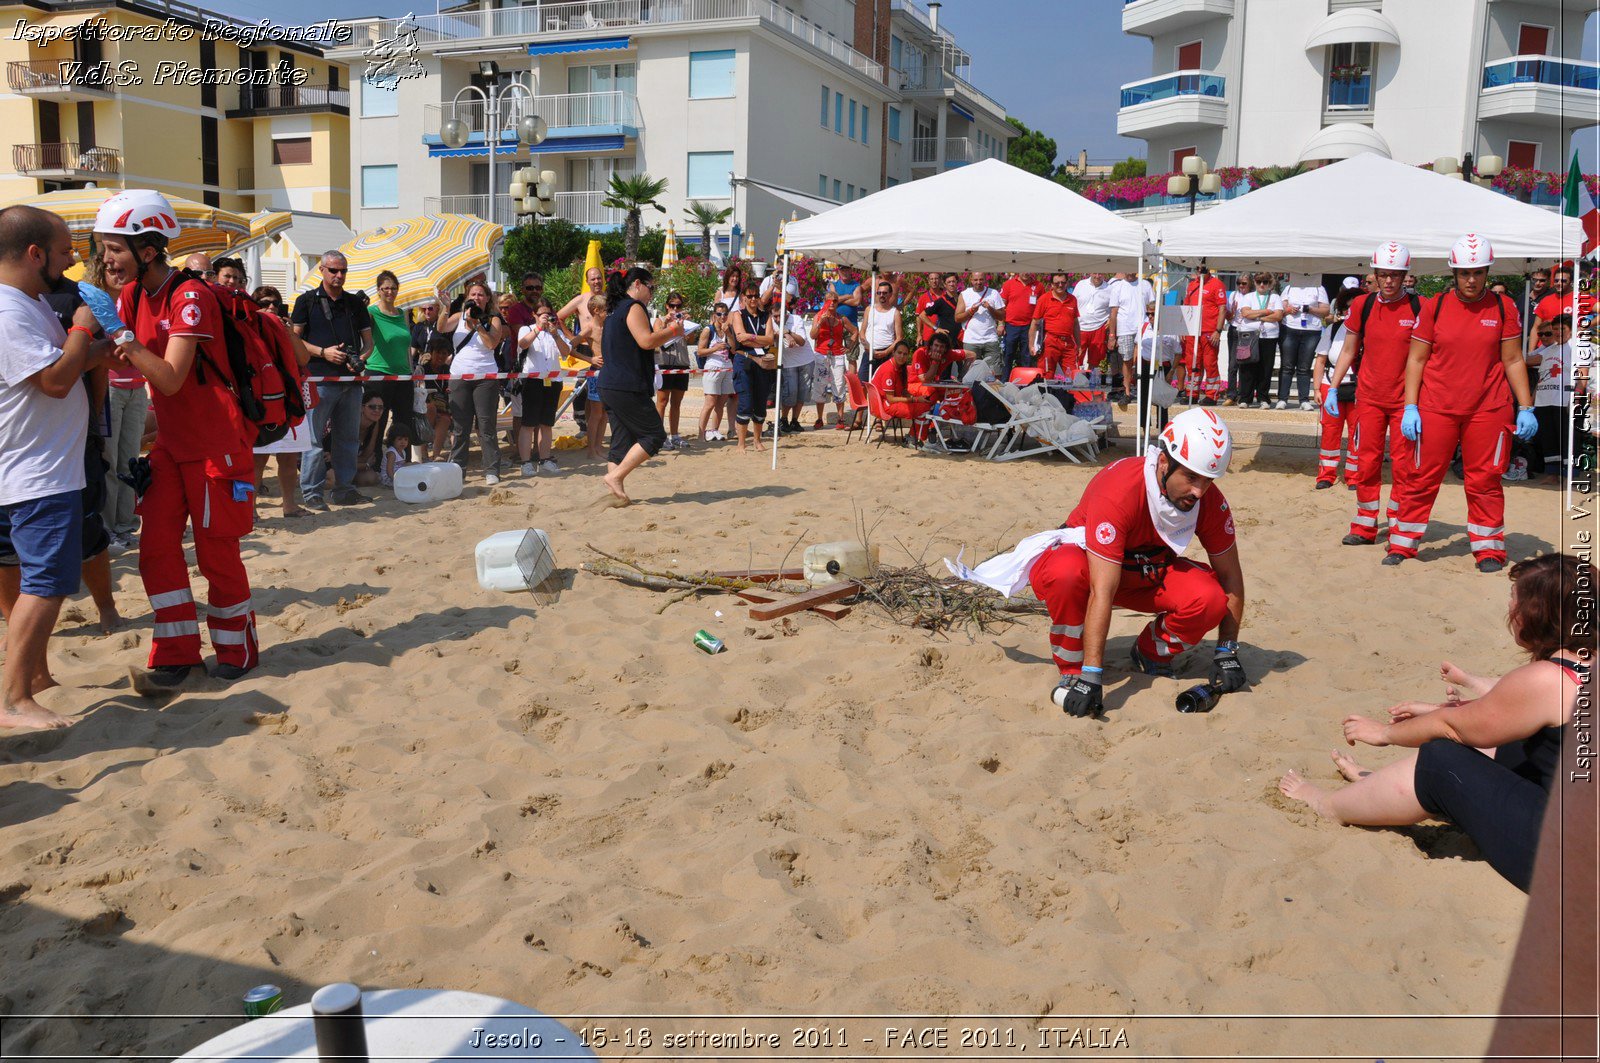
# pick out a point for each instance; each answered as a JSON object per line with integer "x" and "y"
{"x": 515, "y": 560}
{"x": 831, "y": 562}
{"x": 432, "y": 481}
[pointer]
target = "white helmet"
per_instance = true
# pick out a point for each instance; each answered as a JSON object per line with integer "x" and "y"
{"x": 1392, "y": 255}
{"x": 1198, "y": 440}
{"x": 1471, "y": 252}
{"x": 135, "y": 212}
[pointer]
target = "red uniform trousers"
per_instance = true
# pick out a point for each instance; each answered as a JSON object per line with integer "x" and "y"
{"x": 1188, "y": 604}
{"x": 1060, "y": 354}
{"x": 1094, "y": 346}
{"x": 178, "y": 495}
{"x": 1204, "y": 371}
{"x": 1485, "y": 439}
{"x": 1333, "y": 431}
{"x": 914, "y": 413}
{"x": 1373, "y": 423}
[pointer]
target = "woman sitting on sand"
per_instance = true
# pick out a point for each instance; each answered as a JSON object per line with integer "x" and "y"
{"x": 1486, "y": 764}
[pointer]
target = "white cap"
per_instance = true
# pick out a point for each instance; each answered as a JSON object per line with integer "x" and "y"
{"x": 1471, "y": 252}
{"x": 1198, "y": 440}
{"x": 1351, "y": 282}
{"x": 137, "y": 211}
{"x": 1392, "y": 255}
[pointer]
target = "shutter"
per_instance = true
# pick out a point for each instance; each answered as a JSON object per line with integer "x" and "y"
{"x": 278, "y": 273}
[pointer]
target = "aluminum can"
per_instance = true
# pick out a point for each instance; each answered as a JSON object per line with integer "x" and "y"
{"x": 708, "y": 643}
{"x": 262, "y": 1000}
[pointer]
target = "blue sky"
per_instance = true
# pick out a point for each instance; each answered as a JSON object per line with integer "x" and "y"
{"x": 1057, "y": 73}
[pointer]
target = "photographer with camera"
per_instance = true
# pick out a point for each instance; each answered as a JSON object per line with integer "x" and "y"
{"x": 335, "y": 326}
{"x": 476, "y": 331}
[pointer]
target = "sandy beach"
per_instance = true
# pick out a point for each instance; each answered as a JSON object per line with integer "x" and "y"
{"x": 428, "y": 784}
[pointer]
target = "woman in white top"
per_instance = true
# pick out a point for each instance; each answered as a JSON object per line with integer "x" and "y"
{"x": 543, "y": 344}
{"x": 716, "y": 354}
{"x": 1305, "y": 304}
{"x": 477, "y": 330}
{"x": 1256, "y": 316}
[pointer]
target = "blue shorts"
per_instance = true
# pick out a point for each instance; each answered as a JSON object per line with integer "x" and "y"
{"x": 46, "y": 536}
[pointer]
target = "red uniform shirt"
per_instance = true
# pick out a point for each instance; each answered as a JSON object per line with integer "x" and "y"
{"x": 1552, "y": 306}
{"x": 1464, "y": 373}
{"x": 1211, "y": 300}
{"x": 1114, "y": 514}
{"x": 1060, "y": 316}
{"x": 202, "y": 421}
{"x": 890, "y": 379}
{"x": 830, "y": 336}
{"x": 1020, "y": 297}
{"x": 924, "y": 360}
{"x": 1385, "y": 346}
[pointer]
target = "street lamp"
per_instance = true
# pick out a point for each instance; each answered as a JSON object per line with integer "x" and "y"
{"x": 1195, "y": 180}
{"x": 1486, "y": 169}
{"x": 517, "y": 102}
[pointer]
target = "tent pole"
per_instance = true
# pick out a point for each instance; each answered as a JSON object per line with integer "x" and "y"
{"x": 1145, "y": 407}
{"x": 1138, "y": 279}
{"x": 783, "y": 320}
{"x": 872, "y": 302}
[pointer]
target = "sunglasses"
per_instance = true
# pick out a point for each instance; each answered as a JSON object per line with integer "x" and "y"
{"x": 1546, "y": 333}
{"x": 533, "y": 287}
{"x": 331, "y": 269}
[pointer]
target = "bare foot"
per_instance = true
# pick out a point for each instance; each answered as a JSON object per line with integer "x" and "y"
{"x": 42, "y": 682}
{"x": 110, "y": 620}
{"x": 1295, "y": 787}
{"x": 614, "y": 485}
{"x": 1459, "y": 677}
{"x": 30, "y": 714}
{"x": 1347, "y": 766}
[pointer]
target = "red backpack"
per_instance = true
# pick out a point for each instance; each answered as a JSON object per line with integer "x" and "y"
{"x": 262, "y": 371}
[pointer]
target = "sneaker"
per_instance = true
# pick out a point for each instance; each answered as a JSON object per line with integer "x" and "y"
{"x": 491, "y": 479}
{"x": 230, "y": 672}
{"x": 1263, "y": 405}
{"x": 1141, "y": 663}
{"x": 1323, "y": 485}
{"x": 527, "y": 470}
{"x": 164, "y": 681}
{"x": 314, "y": 502}
{"x": 1392, "y": 559}
{"x": 1280, "y": 405}
{"x": 349, "y": 497}
{"x": 1208, "y": 401}
{"x": 1353, "y": 539}
{"x": 1489, "y": 564}
{"x": 118, "y": 545}
{"x": 549, "y": 465}
{"x": 1308, "y": 406}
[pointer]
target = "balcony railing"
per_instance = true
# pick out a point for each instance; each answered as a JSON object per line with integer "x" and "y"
{"x": 1172, "y": 86}
{"x": 580, "y": 208}
{"x": 66, "y": 157}
{"x": 957, "y": 150}
{"x": 598, "y": 15}
{"x": 933, "y": 79}
{"x": 58, "y": 75}
{"x": 1542, "y": 70}
{"x": 569, "y": 111}
{"x": 274, "y": 99}
{"x": 1351, "y": 93}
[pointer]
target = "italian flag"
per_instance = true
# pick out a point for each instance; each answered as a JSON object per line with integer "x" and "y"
{"x": 1579, "y": 204}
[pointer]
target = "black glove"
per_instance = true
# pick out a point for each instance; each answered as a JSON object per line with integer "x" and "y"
{"x": 138, "y": 476}
{"x": 1078, "y": 695}
{"x": 1227, "y": 674}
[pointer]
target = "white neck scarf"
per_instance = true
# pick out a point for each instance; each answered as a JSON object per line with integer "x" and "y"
{"x": 1175, "y": 527}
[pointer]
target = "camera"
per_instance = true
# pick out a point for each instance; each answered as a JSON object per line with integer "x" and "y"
{"x": 472, "y": 310}
{"x": 353, "y": 362}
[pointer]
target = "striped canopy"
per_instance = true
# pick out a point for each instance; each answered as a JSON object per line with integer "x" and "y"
{"x": 264, "y": 225}
{"x": 208, "y": 229}
{"x": 428, "y": 253}
{"x": 669, "y": 249}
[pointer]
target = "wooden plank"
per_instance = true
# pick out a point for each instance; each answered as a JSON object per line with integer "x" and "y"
{"x": 758, "y": 597}
{"x": 763, "y": 575}
{"x": 821, "y": 596}
{"x": 832, "y": 612}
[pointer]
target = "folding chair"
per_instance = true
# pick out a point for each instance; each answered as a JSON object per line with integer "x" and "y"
{"x": 1006, "y": 433}
{"x": 1038, "y": 428}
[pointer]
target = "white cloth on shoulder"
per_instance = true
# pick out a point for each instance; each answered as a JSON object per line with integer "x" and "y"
{"x": 1175, "y": 527}
{"x": 1008, "y": 572}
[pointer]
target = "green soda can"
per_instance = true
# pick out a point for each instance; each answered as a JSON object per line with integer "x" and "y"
{"x": 262, "y": 1000}
{"x": 707, "y": 642}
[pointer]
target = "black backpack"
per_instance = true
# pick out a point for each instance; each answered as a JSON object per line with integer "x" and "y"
{"x": 1347, "y": 390}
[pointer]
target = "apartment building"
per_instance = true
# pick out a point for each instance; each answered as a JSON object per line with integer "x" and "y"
{"x": 117, "y": 95}
{"x": 770, "y": 109}
{"x": 1277, "y": 82}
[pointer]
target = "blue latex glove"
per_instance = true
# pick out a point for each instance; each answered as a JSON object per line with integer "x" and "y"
{"x": 1411, "y": 424}
{"x": 1331, "y": 407}
{"x": 1527, "y": 425}
{"x": 103, "y": 308}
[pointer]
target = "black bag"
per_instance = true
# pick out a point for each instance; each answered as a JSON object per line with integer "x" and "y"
{"x": 1347, "y": 389}
{"x": 1246, "y": 347}
{"x": 990, "y": 409}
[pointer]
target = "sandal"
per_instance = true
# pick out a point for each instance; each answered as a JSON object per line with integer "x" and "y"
{"x": 296, "y": 514}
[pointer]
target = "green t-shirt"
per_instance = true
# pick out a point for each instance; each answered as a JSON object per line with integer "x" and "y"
{"x": 391, "y": 343}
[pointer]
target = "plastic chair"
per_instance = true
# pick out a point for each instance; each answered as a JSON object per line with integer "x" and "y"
{"x": 887, "y": 422}
{"x": 858, "y": 403}
{"x": 1023, "y": 375}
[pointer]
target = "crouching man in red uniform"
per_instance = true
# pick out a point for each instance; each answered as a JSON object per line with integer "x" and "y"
{"x": 1134, "y": 520}
{"x": 201, "y": 469}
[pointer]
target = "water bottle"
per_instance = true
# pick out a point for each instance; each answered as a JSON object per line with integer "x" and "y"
{"x": 1200, "y": 698}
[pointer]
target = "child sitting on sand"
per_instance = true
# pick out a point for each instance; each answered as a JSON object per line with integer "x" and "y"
{"x": 396, "y": 449}
{"x": 1486, "y": 764}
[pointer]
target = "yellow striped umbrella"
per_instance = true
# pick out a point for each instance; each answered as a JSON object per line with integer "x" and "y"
{"x": 669, "y": 250}
{"x": 750, "y": 246}
{"x": 782, "y": 226}
{"x": 264, "y": 226}
{"x": 428, "y": 253}
{"x": 208, "y": 229}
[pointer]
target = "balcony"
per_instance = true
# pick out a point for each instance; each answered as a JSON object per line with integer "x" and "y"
{"x": 586, "y": 17}
{"x": 65, "y": 161}
{"x": 1541, "y": 90}
{"x": 61, "y": 80}
{"x": 931, "y": 81}
{"x": 958, "y": 151}
{"x": 587, "y": 122}
{"x": 1151, "y": 18}
{"x": 1172, "y": 103}
{"x": 580, "y": 208}
{"x": 261, "y": 101}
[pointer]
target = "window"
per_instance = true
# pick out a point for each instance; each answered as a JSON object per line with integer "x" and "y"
{"x": 893, "y": 181}
{"x": 378, "y": 101}
{"x": 837, "y": 189}
{"x": 594, "y": 174}
{"x": 1350, "y": 76}
{"x": 1522, "y": 155}
{"x": 208, "y": 62}
{"x": 824, "y": 107}
{"x": 849, "y": 193}
{"x": 711, "y": 74}
{"x": 602, "y": 77}
{"x": 865, "y": 125}
{"x": 292, "y": 151}
{"x": 822, "y": 185}
{"x": 380, "y": 186}
{"x": 897, "y": 53}
{"x": 852, "y": 119}
{"x": 708, "y": 174}
{"x": 894, "y": 124}
{"x": 838, "y": 113}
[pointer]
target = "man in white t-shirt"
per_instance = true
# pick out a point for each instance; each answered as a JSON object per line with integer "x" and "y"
{"x": 1131, "y": 300}
{"x": 983, "y": 313}
{"x": 44, "y": 425}
{"x": 1552, "y": 394}
{"x": 798, "y": 366}
{"x": 1095, "y": 310}
{"x": 770, "y": 293}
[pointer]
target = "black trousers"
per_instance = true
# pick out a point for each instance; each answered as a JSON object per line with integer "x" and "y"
{"x": 1499, "y": 807}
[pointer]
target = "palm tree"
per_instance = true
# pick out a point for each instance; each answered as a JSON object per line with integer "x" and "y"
{"x": 703, "y": 216}
{"x": 1271, "y": 175}
{"x": 633, "y": 194}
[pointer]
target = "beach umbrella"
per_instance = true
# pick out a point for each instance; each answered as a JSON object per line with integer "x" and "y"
{"x": 428, "y": 252}
{"x": 592, "y": 261}
{"x": 265, "y": 225}
{"x": 669, "y": 250}
{"x": 781, "y": 226}
{"x": 750, "y": 246}
{"x": 208, "y": 229}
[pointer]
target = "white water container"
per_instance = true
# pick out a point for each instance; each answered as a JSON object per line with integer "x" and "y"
{"x": 831, "y": 562}
{"x": 515, "y": 560}
{"x": 431, "y": 481}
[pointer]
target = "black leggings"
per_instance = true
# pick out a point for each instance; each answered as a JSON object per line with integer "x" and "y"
{"x": 1500, "y": 809}
{"x": 753, "y": 385}
{"x": 1255, "y": 378}
{"x": 398, "y": 397}
{"x": 633, "y": 420}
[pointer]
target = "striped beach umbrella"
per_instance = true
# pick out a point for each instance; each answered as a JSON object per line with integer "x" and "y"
{"x": 750, "y": 246}
{"x": 208, "y": 229}
{"x": 428, "y": 253}
{"x": 265, "y": 225}
{"x": 669, "y": 250}
{"x": 782, "y": 225}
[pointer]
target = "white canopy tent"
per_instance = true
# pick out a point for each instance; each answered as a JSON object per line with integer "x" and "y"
{"x": 1330, "y": 219}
